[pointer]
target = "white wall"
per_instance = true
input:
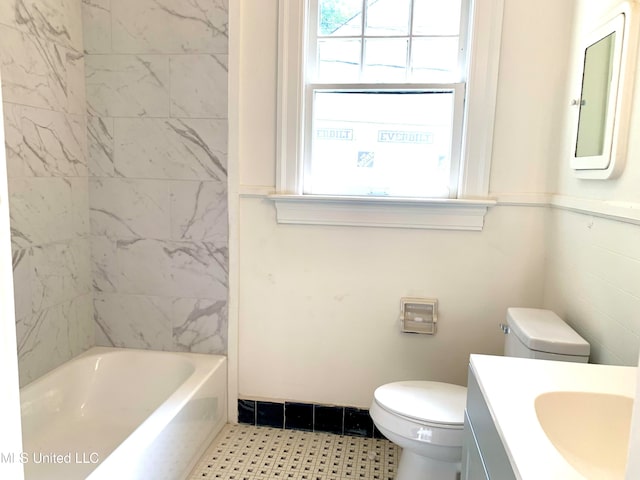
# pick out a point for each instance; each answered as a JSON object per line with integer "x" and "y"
{"x": 318, "y": 306}
{"x": 593, "y": 263}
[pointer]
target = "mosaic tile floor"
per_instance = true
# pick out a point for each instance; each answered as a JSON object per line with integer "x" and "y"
{"x": 246, "y": 452}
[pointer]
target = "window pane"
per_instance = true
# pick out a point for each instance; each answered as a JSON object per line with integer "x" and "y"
{"x": 436, "y": 17}
{"x": 340, "y": 17}
{"x": 338, "y": 61}
{"x": 395, "y": 144}
{"x": 387, "y": 17}
{"x": 435, "y": 60}
{"x": 385, "y": 60}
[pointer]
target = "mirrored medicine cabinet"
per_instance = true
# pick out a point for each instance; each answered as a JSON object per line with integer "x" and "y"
{"x": 603, "y": 102}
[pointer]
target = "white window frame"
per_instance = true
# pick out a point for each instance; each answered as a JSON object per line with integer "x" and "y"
{"x": 466, "y": 212}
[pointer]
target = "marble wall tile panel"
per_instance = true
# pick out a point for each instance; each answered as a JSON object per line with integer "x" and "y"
{"x": 196, "y": 26}
{"x": 129, "y": 208}
{"x": 144, "y": 268}
{"x": 191, "y": 149}
{"x": 172, "y": 269}
{"x": 198, "y": 269}
{"x": 41, "y": 210}
{"x": 199, "y": 86}
{"x": 53, "y": 143}
{"x": 133, "y": 321}
{"x": 42, "y": 68}
{"x": 100, "y": 143}
{"x": 161, "y": 323}
{"x": 80, "y": 206}
{"x": 199, "y": 210}
{"x": 52, "y": 336}
{"x": 157, "y": 143}
{"x": 22, "y": 281}
{"x": 13, "y": 140}
{"x": 57, "y": 21}
{"x": 60, "y": 272}
{"x": 82, "y": 331}
{"x": 127, "y": 85}
{"x": 200, "y": 326}
{"x": 33, "y": 72}
{"x": 105, "y": 273}
{"x": 43, "y": 340}
{"x": 96, "y": 23}
{"x": 76, "y": 91}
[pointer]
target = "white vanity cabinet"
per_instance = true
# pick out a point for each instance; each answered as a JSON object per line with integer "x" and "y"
{"x": 508, "y": 410}
{"x": 483, "y": 454}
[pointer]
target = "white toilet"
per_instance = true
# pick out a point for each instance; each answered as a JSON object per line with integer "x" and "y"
{"x": 426, "y": 419}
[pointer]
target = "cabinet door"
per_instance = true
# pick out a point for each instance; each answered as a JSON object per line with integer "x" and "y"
{"x": 472, "y": 464}
{"x": 492, "y": 451}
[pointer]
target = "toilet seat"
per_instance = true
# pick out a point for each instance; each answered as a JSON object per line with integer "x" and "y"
{"x": 435, "y": 404}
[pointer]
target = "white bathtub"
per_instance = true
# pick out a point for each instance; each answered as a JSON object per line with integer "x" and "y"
{"x": 116, "y": 414}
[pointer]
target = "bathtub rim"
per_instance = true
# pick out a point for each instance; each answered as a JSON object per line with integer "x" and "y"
{"x": 205, "y": 367}
{"x": 218, "y": 359}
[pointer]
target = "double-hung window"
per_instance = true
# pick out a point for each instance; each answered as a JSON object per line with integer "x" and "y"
{"x": 387, "y": 99}
{"x": 384, "y": 92}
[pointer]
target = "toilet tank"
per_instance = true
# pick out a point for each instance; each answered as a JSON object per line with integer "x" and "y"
{"x": 538, "y": 333}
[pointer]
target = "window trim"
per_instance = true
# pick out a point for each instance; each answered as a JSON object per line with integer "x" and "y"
{"x": 484, "y": 53}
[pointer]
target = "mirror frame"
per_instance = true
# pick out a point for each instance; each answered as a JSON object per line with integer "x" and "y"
{"x": 623, "y": 22}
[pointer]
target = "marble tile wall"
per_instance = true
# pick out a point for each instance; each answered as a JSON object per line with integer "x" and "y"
{"x": 156, "y": 91}
{"x": 42, "y": 68}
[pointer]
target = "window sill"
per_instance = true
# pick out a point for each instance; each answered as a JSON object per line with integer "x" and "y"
{"x": 440, "y": 214}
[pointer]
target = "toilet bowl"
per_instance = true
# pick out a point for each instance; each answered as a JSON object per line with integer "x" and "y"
{"x": 426, "y": 419}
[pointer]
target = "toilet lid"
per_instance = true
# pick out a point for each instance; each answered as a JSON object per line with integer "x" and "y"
{"x": 432, "y": 402}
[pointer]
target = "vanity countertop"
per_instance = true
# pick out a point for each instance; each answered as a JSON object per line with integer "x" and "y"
{"x": 510, "y": 387}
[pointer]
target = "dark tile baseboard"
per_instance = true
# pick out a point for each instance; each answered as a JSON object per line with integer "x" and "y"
{"x": 354, "y": 422}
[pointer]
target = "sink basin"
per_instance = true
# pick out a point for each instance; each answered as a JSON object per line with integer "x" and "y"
{"x": 590, "y": 430}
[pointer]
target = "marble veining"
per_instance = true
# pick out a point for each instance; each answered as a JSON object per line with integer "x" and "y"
{"x": 33, "y": 71}
{"x": 62, "y": 273}
{"x": 126, "y": 208}
{"x": 196, "y": 26}
{"x": 41, "y": 210}
{"x": 157, "y": 157}
{"x": 53, "y": 335}
{"x": 200, "y": 325}
{"x": 76, "y": 93}
{"x": 213, "y": 165}
{"x": 199, "y": 85}
{"x": 42, "y": 68}
{"x": 104, "y": 264}
{"x": 170, "y": 268}
{"x": 13, "y": 140}
{"x": 56, "y": 21}
{"x": 189, "y": 149}
{"x": 198, "y": 210}
{"x": 133, "y": 321}
{"x": 100, "y": 147}
{"x": 96, "y": 23}
{"x": 117, "y": 154}
{"x": 127, "y": 85}
{"x": 21, "y": 260}
{"x": 54, "y": 144}
{"x": 163, "y": 323}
